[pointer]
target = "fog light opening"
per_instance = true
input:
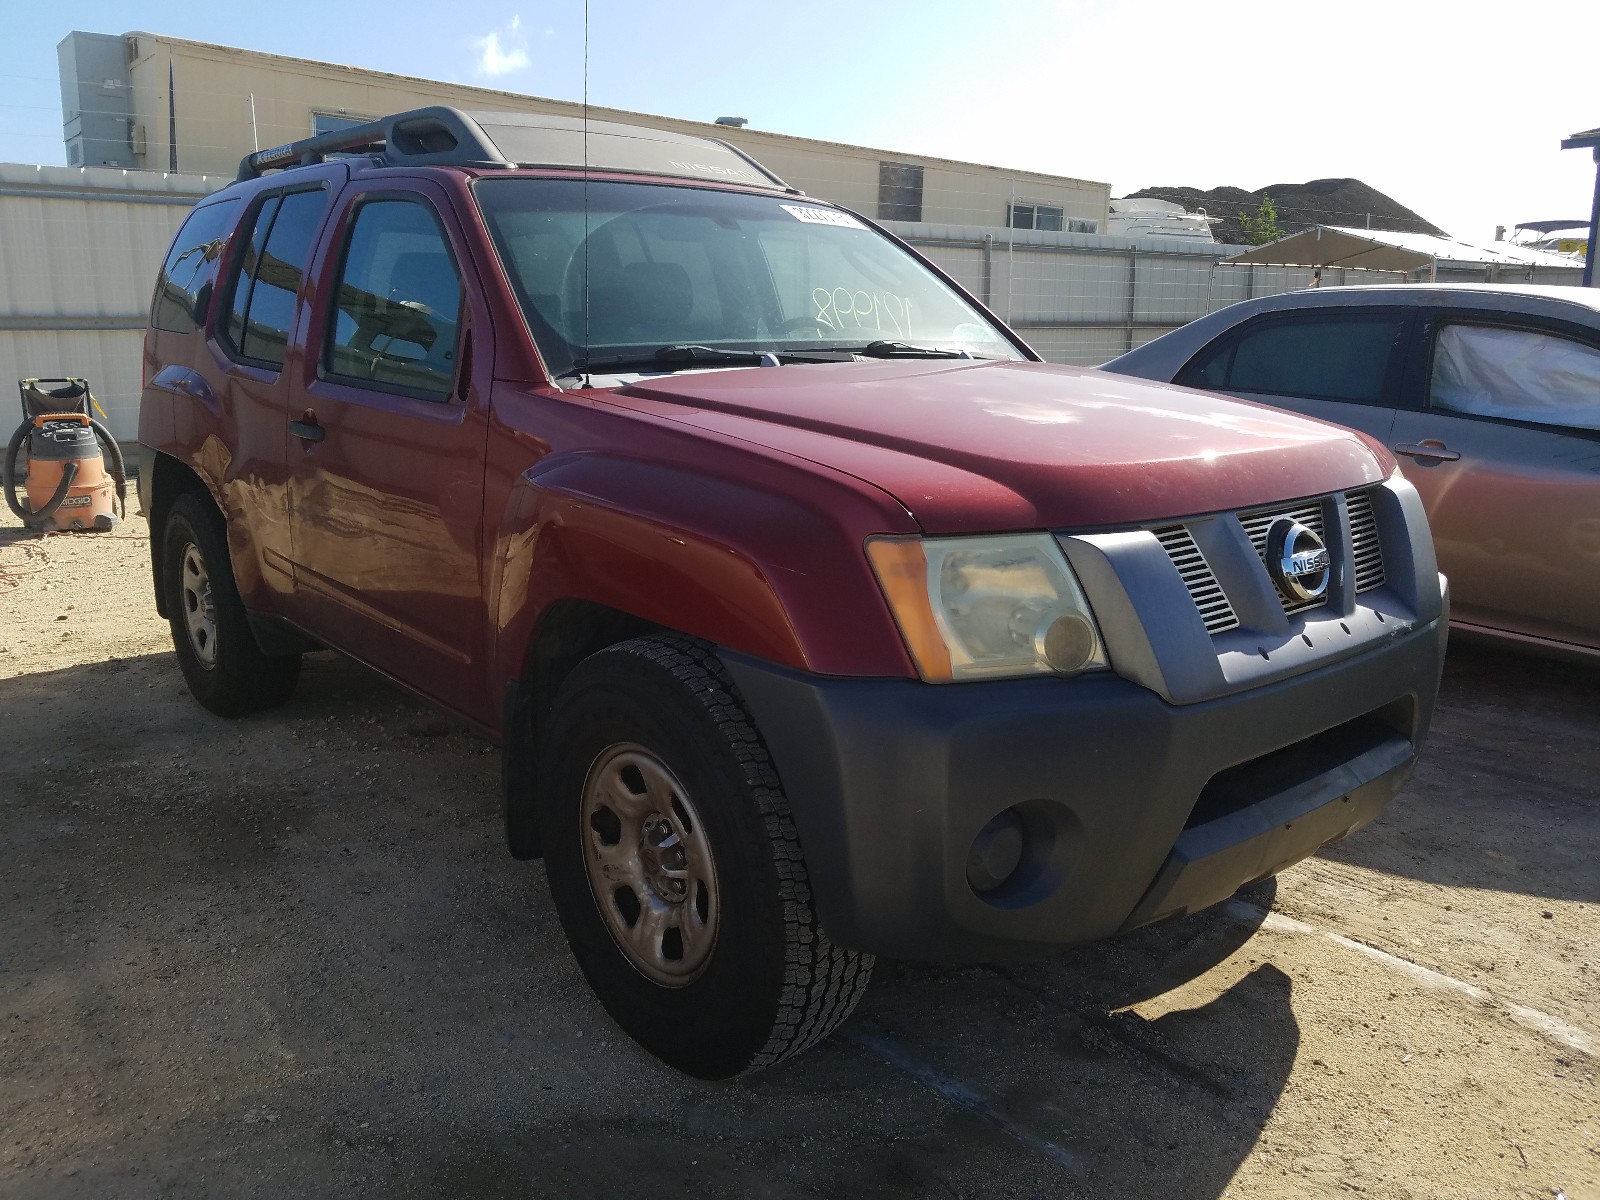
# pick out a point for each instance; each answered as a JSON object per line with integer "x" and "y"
{"x": 1019, "y": 857}
{"x": 996, "y": 852}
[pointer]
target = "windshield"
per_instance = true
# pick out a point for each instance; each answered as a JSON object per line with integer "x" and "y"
{"x": 613, "y": 275}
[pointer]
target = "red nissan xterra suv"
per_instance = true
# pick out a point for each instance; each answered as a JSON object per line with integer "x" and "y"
{"x": 815, "y": 616}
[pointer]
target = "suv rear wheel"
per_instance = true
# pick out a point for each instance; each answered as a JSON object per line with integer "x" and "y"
{"x": 676, "y": 869}
{"x": 221, "y": 662}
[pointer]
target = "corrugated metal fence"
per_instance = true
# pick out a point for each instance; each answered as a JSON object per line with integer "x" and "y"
{"x": 80, "y": 247}
{"x": 79, "y": 251}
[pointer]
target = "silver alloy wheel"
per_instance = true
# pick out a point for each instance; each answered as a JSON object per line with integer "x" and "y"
{"x": 649, "y": 865}
{"x": 199, "y": 611}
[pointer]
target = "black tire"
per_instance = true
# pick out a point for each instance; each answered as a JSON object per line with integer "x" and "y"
{"x": 223, "y": 666}
{"x": 773, "y": 983}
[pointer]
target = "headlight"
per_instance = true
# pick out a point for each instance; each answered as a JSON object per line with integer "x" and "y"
{"x": 987, "y": 607}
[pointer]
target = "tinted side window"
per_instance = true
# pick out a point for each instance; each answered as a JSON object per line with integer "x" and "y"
{"x": 398, "y": 302}
{"x": 277, "y": 279}
{"x": 244, "y": 273}
{"x": 1325, "y": 358}
{"x": 269, "y": 271}
{"x": 1516, "y": 374}
{"x": 184, "y": 288}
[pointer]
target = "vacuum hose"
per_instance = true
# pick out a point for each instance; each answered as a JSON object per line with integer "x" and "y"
{"x": 68, "y": 473}
{"x": 119, "y": 471}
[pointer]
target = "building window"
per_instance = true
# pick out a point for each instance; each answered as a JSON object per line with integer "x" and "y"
{"x": 328, "y": 123}
{"x": 1034, "y": 216}
{"x": 899, "y": 192}
{"x": 1075, "y": 225}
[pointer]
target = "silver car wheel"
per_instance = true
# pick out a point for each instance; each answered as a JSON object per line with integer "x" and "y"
{"x": 199, "y": 610}
{"x": 649, "y": 865}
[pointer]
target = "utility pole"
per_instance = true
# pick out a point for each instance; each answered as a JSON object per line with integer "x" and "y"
{"x": 1590, "y": 140}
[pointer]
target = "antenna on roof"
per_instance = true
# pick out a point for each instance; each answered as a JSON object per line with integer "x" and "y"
{"x": 586, "y": 182}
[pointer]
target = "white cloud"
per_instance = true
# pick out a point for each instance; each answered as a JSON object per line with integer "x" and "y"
{"x": 502, "y": 51}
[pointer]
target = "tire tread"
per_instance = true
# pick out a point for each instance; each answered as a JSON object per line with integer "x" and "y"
{"x": 245, "y": 680}
{"x": 824, "y": 982}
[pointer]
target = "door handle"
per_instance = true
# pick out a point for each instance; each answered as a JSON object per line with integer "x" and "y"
{"x": 306, "y": 428}
{"x": 1435, "y": 451}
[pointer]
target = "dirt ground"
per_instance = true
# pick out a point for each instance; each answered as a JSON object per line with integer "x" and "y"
{"x": 289, "y": 956}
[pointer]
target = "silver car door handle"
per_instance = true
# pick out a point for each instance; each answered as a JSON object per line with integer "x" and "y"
{"x": 1439, "y": 453}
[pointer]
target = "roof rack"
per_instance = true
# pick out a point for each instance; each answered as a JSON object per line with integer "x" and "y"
{"x": 433, "y": 136}
{"x": 442, "y": 136}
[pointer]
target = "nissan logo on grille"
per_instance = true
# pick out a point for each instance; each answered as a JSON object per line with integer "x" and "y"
{"x": 1297, "y": 560}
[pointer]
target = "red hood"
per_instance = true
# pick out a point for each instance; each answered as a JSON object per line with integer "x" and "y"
{"x": 973, "y": 446}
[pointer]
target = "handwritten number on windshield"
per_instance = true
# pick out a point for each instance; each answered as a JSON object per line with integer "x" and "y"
{"x": 842, "y": 309}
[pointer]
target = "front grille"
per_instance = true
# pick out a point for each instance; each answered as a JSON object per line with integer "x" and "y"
{"x": 1256, "y": 525}
{"x": 1203, "y": 587}
{"x": 1363, "y": 554}
{"x": 1366, "y": 555}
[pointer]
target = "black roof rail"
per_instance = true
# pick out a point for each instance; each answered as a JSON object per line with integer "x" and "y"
{"x": 438, "y": 136}
{"x": 751, "y": 159}
{"x": 432, "y": 136}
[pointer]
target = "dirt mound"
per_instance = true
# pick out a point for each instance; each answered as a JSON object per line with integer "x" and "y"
{"x": 1319, "y": 202}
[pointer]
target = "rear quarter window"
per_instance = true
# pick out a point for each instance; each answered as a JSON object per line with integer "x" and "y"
{"x": 189, "y": 275}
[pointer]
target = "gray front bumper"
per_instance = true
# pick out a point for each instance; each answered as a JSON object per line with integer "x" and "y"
{"x": 1152, "y": 808}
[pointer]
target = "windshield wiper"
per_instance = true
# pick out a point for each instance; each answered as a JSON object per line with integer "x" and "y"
{"x": 673, "y": 356}
{"x": 902, "y": 350}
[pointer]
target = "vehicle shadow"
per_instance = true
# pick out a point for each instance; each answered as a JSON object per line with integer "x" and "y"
{"x": 1504, "y": 796}
{"x": 289, "y": 955}
{"x": 1125, "y": 1103}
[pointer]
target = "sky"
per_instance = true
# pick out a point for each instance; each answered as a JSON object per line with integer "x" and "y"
{"x": 1455, "y": 110}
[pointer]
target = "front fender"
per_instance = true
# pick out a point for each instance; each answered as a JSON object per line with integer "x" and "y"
{"x": 745, "y": 568}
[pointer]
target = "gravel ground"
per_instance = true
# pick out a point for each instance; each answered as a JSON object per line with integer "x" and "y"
{"x": 288, "y": 956}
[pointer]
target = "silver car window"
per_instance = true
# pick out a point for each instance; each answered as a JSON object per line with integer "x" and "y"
{"x": 1517, "y": 374}
{"x": 1336, "y": 356}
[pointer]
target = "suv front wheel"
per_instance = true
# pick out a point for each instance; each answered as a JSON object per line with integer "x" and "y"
{"x": 676, "y": 869}
{"x": 221, "y": 662}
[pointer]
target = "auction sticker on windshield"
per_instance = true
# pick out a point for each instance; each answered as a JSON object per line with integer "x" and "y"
{"x": 822, "y": 216}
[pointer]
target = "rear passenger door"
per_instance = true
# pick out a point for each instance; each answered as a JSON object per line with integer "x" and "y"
{"x": 1506, "y": 455}
{"x": 1340, "y": 364}
{"x": 386, "y": 453}
{"x": 256, "y": 361}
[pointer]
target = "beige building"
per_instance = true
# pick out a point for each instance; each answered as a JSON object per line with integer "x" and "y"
{"x": 157, "y": 103}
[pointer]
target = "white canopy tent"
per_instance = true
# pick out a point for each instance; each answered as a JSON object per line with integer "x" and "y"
{"x": 1384, "y": 250}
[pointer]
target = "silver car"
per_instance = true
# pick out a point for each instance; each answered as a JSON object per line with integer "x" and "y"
{"x": 1489, "y": 394}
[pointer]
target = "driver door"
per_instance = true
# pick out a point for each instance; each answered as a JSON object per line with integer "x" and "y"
{"x": 386, "y": 450}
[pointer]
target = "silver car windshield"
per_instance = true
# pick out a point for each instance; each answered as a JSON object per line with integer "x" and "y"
{"x": 617, "y": 275}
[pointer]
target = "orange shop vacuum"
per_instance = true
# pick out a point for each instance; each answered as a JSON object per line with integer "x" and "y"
{"x": 74, "y": 477}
